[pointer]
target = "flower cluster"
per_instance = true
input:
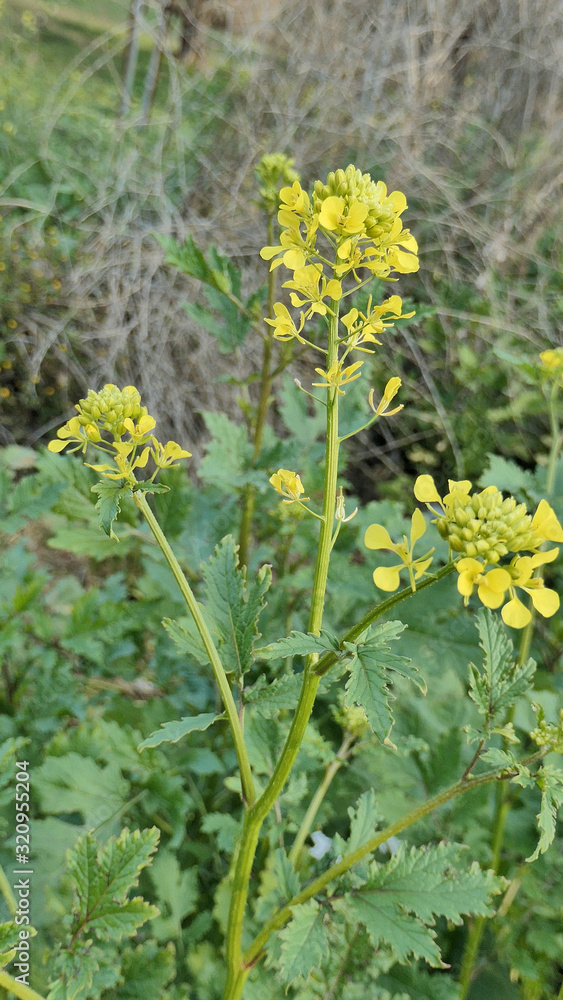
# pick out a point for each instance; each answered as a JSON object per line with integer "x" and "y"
{"x": 117, "y": 413}
{"x": 484, "y": 528}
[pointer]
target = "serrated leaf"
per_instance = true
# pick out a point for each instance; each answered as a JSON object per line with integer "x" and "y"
{"x": 187, "y": 258}
{"x": 76, "y": 973}
{"x": 73, "y": 783}
{"x": 502, "y": 679}
{"x": 508, "y": 476}
{"x": 549, "y": 780}
{"x": 233, "y": 605}
{"x": 187, "y": 638}
{"x": 103, "y": 878}
{"x": 369, "y": 676}
{"x": 108, "y": 504}
{"x": 172, "y": 732}
{"x": 305, "y": 941}
{"x": 145, "y": 971}
{"x": 299, "y": 644}
{"x": 229, "y": 467}
{"x": 226, "y": 828}
{"x": 403, "y": 897}
{"x": 364, "y": 820}
{"x": 9, "y": 938}
{"x": 147, "y": 486}
{"x": 281, "y": 694}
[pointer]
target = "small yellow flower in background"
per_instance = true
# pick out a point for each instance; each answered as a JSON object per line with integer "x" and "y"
{"x": 272, "y": 170}
{"x": 552, "y": 365}
{"x": 337, "y": 376}
{"x": 491, "y": 586}
{"x": 545, "y": 601}
{"x": 388, "y": 577}
{"x": 11, "y": 324}
{"x": 391, "y": 390}
{"x": 288, "y": 484}
{"x": 284, "y": 325}
{"x": 306, "y": 282}
{"x": 4, "y": 392}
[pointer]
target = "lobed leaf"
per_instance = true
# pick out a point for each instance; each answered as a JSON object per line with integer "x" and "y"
{"x": 299, "y": 644}
{"x": 549, "y": 780}
{"x": 502, "y": 679}
{"x": 305, "y": 941}
{"x": 172, "y": 732}
{"x": 108, "y": 504}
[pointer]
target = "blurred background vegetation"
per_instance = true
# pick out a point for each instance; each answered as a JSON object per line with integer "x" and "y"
{"x": 109, "y": 135}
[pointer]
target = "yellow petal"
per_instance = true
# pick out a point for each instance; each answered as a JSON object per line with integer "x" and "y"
{"x": 459, "y": 486}
{"x": 545, "y": 601}
{"x": 56, "y": 445}
{"x": 377, "y": 537}
{"x": 418, "y": 526}
{"x": 545, "y": 523}
{"x": 425, "y": 490}
{"x": 405, "y": 263}
{"x": 465, "y": 584}
{"x": 515, "y": 614}
{"x": 387, "y": 577}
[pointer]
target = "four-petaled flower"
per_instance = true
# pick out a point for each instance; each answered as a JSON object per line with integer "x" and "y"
{"x": 491, "y": 586}
{"x": 166, "y": 456}
{"x": 306, "y": 282}
{"x": 335, "y": 215}
{"x": 73, "y": 432}
{"x": 388, "y": 577}
{"x": 288, "y": 484}
{"x": 284, "y": 325}
{"x": 544, "y": 600}
{"x": 337, "y": 376}
{"x": 391, "y": 390}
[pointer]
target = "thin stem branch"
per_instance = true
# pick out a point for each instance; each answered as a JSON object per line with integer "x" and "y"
{"x": 252, "y": 954}
{"x": 331, "y": 771}
{"x": 247, "y": 781}
{"x": 18, "y": 989}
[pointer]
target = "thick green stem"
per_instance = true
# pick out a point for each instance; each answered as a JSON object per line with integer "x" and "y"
{"x": 236, "y": 974}
{"x": 280, "y": 918}
{"x": 18, "y": 989}
{"x": 210, "y": 648}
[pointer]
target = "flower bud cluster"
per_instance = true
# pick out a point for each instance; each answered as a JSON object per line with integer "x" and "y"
{"x": 353, "y": 186}
{"x": 486, "y": 526}
{"x": 110, "y": 407}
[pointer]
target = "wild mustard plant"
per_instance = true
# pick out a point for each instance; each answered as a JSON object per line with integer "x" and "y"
{"x": 333, "y": 242}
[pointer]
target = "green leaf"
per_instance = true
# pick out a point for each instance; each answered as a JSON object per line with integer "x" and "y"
{"x": 549, "y": 780}
{"x": 108, "y": 503}
{"x": 9, "y": 938}
{"x": 145, "y": 972}
{"x": 364, "y": 820}
{"x": 229, "y": 467}
{"x": 402, "y": 898}
{"x": 305, "y": 941}
{"x": 368, "y": 684}
{"x": 187, "y": 638}
{"x": 299, "y": 644}
{"x": 502, "y": 679}
{"x": 84, "y": 541}
{"x": 506, "y": 475}
{"x": 147, "y": 486}
{"x": 103, "y": 878}
{"x": 187, "y": 258}
{"x": 73, "y": 783}
{"x": 280, "y": 695}
{"x": 172, "y": 732}
{"x": 233, "y": 605}
{"x": 224, "y": 826}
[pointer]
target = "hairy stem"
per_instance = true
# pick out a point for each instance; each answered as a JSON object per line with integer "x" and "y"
{"x": 247, "y": 781}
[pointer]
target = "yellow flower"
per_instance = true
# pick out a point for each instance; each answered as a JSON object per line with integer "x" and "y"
{"x": 71, "y": 433}
{"x": 388, "y": 577}
{"x": 546, "y": 525}
{"x": 306, "y": 282}
{"x": 491, "y": 586}
{"x": 337, "y": 376}
{"x": 294, "y": 199}
{"x": 283, "y": 324}
{"x": 167, "y": 456}
{"x": 288, "y": 484}
{"x": 362, "y": 327}
{"x": 391, "y": 390}
{"x": 292, "y": 251}
{"x": 138, "y": 432}
{"x": 544, "y": 600}
{"x": 335, "y": 214}
{"x": 124, "y": 462}
{"x": 552, "y": 365}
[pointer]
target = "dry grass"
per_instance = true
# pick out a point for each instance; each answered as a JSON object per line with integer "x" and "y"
{"x": 457, "y": 102}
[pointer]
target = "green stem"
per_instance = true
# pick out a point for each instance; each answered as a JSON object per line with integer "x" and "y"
{"x": 330, "y": 771}
{"x": 502, "y": 803}
{"x": 237, "y": 971}
{"x": 261, "y": 417}
{"x": 18, "y": 989}
{"x": 252, "y": 954}
{"x": 247, "y": 781}
{"x": 6, "y": 890}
